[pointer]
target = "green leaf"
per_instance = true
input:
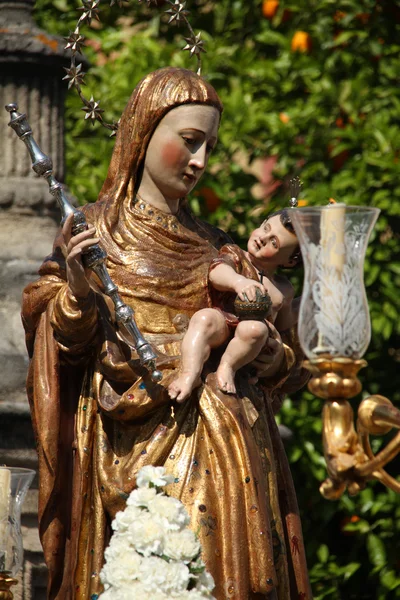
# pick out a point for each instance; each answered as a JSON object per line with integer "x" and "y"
{"x": 382, "y": 141}
{"x": 323, "y": 553}
{"x": 350, "y": 569}
{"x": 376, "y": 550}
{"x": 389, "y": 579}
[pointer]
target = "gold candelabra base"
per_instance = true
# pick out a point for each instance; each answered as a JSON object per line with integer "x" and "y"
{"x": 348, "y": 454}
{"x": 6, "y": 581}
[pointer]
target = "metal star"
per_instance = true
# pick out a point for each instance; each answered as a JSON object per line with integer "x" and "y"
{"x": 92, "y": 110}
{"x": 114, "y": 126}
{"x": 120, "y": 3}
{"x": 194, "y": 45}
{"x": 74, "y": 75}
{"x": 177, "y": 11}
{"x": 90, "y": 10}
{"x": 75, "y": 41}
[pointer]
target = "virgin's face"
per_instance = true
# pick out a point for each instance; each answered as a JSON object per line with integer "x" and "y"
{"x": 179, "y": 149}
{"x": 272, "y": 243}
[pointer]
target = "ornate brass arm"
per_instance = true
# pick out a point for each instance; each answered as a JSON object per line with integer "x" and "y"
{"x": 6, "y": 581}
{"x": 348, "y": 454}
{"x": 95, "y": 257}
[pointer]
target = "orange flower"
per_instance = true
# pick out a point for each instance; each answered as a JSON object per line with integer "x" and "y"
{"x": 346, "y": 521}
{"x": 339, "y": 15}
{"x": 301, "y": 42}
{"x": 269, "y": 8}
{"x": 302, "y": 202}
{"x": 284, "y": 117}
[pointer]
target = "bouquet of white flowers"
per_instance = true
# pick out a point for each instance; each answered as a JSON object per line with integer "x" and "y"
{"x": 152, "y": 554}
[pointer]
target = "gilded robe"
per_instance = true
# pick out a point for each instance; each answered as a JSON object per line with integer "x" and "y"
{"x": 98, "y": 418}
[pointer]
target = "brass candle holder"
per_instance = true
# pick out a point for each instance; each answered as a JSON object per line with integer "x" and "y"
{"x": 347, "y": 450}
{"x": 6, "y": 581}
{"x": 334, "y": 332}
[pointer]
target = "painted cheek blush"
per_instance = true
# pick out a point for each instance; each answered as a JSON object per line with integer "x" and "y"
{"x": 172, "y": 153}
{"x": 267, "y": 252}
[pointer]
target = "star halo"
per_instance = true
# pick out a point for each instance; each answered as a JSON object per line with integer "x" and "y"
{"x": 177, "y": 13}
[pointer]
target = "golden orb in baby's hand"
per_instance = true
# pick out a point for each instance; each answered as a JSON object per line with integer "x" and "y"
{"x": 257, "y": 309}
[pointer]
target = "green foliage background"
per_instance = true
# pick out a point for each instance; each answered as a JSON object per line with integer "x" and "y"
{"x": 329, "y": 114}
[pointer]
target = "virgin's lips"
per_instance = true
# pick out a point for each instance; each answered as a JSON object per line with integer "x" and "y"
{"x": 190, "y": 176}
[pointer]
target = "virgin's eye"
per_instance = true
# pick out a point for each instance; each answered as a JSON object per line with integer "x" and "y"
{"x": 188, "y": 140}
{"x": 274, "y": 242}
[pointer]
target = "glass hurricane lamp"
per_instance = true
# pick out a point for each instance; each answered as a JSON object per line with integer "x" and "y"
{"x": 14, "y": 484}
{"x": 334, "y": 332}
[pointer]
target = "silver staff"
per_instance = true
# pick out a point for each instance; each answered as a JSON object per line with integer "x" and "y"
{"x": 94, "y": 257}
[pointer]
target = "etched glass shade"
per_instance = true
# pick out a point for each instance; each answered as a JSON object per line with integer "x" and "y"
{"x": 334, "y": 315}
{"x": 14, "y": 484}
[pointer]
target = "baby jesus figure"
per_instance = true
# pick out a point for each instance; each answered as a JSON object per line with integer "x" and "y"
{"x": 239, "y": 273}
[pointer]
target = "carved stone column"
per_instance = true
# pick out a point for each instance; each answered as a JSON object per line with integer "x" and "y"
{"x": 31, "y": 74}
{"x": 31, "y": 65}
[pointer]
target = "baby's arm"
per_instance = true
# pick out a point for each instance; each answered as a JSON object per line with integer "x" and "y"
{"x": 225, "y": 279}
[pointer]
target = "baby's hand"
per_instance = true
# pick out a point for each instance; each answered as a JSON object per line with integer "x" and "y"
{"x": 248, "y": 287}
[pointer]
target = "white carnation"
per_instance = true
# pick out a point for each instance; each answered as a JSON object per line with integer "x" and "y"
{"x": 198, "y": 564}
{"x": 122, "y": 565}
{"x": 154, "y": 525}
{"x": 170, "y": 510}
{"x": 205, "y": 582}
{"x": 171, "y": 578}
{"x": 146, "y": 534}
{"x": 196, "y": 595}
{"x": 109, "y": 594}
{"x": 181, "y": 545}
{"x": 192, "y": 595}
{"x": 141, "y": 497}
{"x": 139, "y": 591}
{"x": 124, "y": 518}
{"x": 153, "y": 475}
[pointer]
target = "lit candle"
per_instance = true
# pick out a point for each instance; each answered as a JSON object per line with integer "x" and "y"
{"x": 332, "y": 236}
{"x": 5, "y": 489}
{"x": 332, "y": 263}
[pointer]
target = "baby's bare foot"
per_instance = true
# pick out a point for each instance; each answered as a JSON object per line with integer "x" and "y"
{"x": 226, "y": 378}
{"x": 181, "y": 388}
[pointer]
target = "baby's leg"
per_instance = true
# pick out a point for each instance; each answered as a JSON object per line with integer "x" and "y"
{"x": 207, "y": 329}
{"x": 250, "y": 337}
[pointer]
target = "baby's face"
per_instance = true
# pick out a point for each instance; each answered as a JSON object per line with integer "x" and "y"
{"x": 272, "y": 243}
